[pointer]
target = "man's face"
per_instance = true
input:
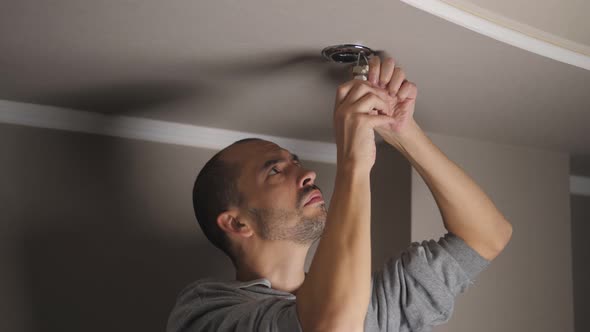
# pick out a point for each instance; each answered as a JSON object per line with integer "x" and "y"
{"x": 277, "y": 191}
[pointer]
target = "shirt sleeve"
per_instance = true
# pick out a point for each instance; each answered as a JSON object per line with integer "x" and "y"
{"x": 416, "y": 290}
{"x": 221, "y": 310}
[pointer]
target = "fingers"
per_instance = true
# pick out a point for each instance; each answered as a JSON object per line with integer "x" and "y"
{"x": 371, "y": 102}
{"x": 387, "y": 67}
{"x": 374, "y": 69}
{"x": 360, "y": 90}
{"x": 344, "y": 89}
{"x": 408, "y": 90}
{"x": 397, "y": 80}
{"x": 385, "y": 80}
{"x": 384, "y": 74}
{"x": 355, "y": 89}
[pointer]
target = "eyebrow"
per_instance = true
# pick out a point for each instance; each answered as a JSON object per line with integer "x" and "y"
{"x": 272, "y": 162}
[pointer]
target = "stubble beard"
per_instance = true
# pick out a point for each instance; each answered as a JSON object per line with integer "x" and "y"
{"x": 273, "y": 224}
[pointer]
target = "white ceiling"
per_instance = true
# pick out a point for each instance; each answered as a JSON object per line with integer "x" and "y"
{"x": 225, "y": 64}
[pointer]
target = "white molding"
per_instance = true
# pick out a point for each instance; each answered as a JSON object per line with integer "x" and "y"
{"x": 501, "y": 33}
{"x": 579, "y": 185}
{"x": 150, "y": 130}
{"x": 41, "y": 116}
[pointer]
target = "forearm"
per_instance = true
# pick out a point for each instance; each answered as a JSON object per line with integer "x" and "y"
{"x": 337, "y": 287}
{"x": 466, "y": 210}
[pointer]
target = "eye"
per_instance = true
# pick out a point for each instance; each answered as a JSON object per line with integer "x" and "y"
{"x": 275, "y": 170}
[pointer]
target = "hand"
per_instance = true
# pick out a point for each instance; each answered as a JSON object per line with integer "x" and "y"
{"x": 385, "y": 76}
{"x": 358, "y": 110}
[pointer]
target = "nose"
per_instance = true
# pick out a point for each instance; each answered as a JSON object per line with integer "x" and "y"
{"x": 307, "y": 178}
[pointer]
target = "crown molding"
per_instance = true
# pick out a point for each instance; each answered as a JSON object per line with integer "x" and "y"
{"x": 528, "y": 38}
{"x": 51, "y": 117}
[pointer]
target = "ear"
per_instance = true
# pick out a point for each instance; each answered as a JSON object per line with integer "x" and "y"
{"x": 230, "y": 223}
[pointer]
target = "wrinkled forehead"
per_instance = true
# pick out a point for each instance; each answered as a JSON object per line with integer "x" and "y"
{"x": 252, "y": 155}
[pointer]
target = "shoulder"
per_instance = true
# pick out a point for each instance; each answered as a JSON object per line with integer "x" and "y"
{"x": 203, "y": 299}
{"x": 208, "y": 288}
{"x": 217, "y": 305}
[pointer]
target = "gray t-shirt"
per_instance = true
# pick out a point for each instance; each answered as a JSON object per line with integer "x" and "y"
{"x": 413, "y": 292}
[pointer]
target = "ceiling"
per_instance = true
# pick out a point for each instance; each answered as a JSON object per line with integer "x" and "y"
{"x": 252, "y": 66}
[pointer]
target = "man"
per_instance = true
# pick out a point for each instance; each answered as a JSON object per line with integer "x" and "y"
{"x": 255, "y": 201}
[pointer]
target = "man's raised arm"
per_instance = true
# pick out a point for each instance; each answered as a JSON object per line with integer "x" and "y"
{"x": 466, "y": 210}
{"x": 336, "y": 291}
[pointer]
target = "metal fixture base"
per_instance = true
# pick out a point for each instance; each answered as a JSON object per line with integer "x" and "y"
{"x": 347, "y": 53}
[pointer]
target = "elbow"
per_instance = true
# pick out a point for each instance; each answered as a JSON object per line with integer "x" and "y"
{"x": 504, "y": 234}
{"x": 490, "y": 242}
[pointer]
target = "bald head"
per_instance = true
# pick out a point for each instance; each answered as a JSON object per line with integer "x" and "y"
{"x": 216, "y": 190}
{"x": 267, "y": 185}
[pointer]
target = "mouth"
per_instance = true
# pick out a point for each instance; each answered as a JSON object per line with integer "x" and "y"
{"x": 314, "y": 197}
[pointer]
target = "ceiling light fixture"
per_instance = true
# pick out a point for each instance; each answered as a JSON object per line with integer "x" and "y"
{"x": 351, "y": 53}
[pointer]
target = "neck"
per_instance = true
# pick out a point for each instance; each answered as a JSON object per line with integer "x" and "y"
{"x": 282, "y": 264}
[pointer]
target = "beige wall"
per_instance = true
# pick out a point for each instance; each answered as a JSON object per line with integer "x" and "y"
{"x": 98, "y": 233}
{"x": 529, "y": 286}
{"x": 391, "y": 182}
